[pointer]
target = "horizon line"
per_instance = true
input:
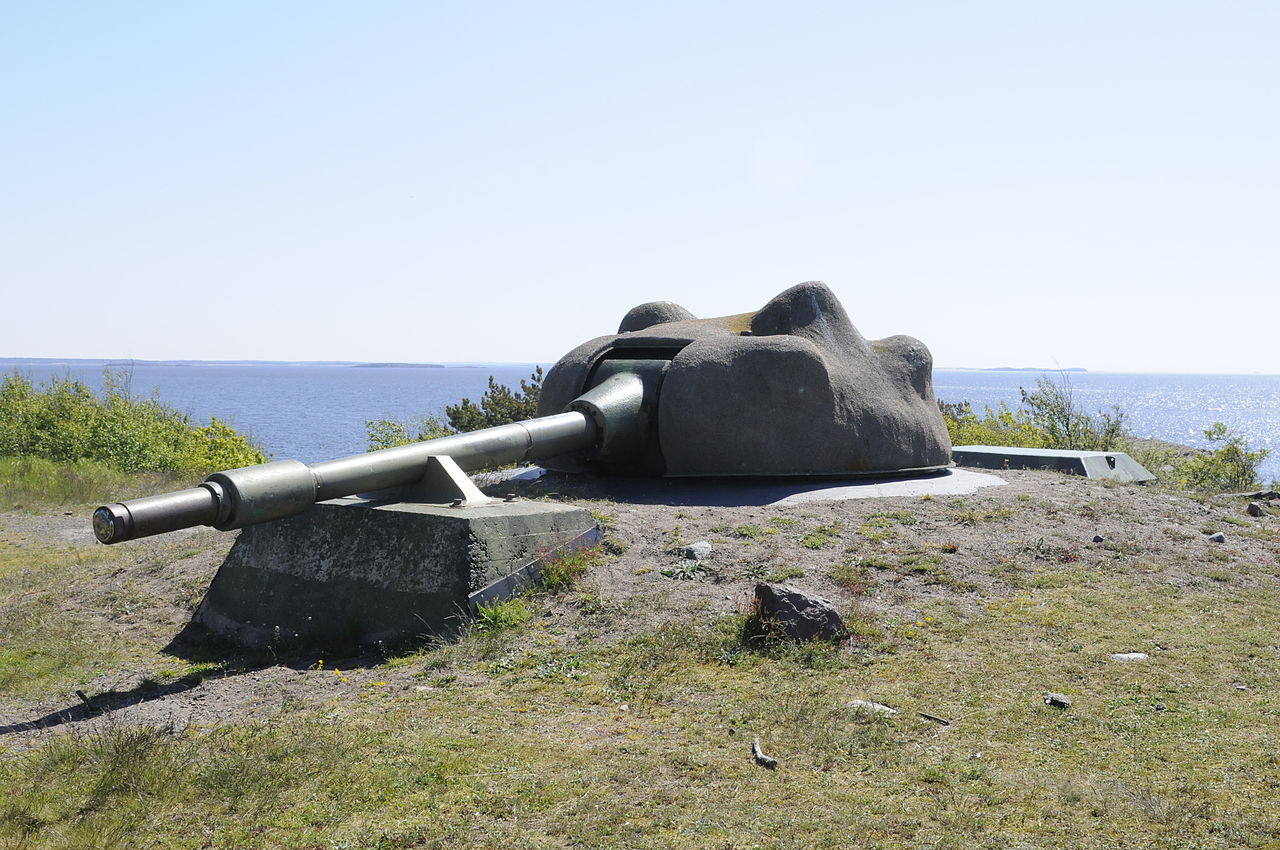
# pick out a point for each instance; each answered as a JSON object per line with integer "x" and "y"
{"x": 122, "y": 361}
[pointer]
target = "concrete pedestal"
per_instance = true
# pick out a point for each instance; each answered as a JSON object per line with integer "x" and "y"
{"x": 352, "y": 573}
{"x": 1116, "y": 466}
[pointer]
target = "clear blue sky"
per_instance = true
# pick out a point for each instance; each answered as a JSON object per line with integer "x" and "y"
{"x": 1086, "y": 184}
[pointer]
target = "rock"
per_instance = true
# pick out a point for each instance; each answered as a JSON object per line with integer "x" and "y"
{"x": 1218, "y": 538}
{"x": 1255, "y": 509}
{"x": 797, "y": 614}
{"x": 1128, "y": 656}
{"x": 699, "y": 551}
{"x": 870, "y": 707}
{"x": 1057, "y": 700}
{"x": 1098, "y": 538}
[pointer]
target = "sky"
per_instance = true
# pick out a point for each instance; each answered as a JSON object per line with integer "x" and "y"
{"x": 1050, "y": 185}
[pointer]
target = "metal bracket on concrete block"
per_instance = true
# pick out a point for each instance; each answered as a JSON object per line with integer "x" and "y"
{"x": 444, "y": 483}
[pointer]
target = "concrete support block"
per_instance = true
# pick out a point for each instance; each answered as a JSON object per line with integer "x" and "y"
{"x": 1116, "y": 466}
{"x": 352, "y": 573}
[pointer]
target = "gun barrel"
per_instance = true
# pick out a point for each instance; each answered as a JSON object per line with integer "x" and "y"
{"x": 254, "y": 494}
{"x": 606, "y": 419}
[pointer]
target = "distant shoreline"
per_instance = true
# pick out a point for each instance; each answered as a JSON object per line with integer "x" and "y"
{"x": 126, "y": 362}
{"x": 8, "y": 363}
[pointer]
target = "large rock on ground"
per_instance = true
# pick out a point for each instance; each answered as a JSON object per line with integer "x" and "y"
{"x": 792, "y": 389}
{"x": 798, "y": 615}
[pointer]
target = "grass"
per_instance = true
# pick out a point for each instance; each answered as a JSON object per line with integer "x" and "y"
{"x": 34, "y": 484}
{"x": 821, "y": 535}
{"x": 545, "y": 752}
{"x": 632, "y": 728}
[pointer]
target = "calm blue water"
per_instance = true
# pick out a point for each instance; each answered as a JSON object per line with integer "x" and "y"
{"x": 316, "y": 412}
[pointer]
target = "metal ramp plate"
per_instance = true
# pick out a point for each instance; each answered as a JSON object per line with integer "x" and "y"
{"x": 1116, "y": 466}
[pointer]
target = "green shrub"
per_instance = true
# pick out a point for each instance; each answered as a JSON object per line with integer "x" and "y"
{"x": 1052, "y": 409}
{"x": 66, "y": 422}
{"x": 1000, "y": 427}
{"x": 1048, "y": 417}
{"x": 500, "y": 405}
{"x": 385, "y": 433}
{"x": 1229, "y": 467}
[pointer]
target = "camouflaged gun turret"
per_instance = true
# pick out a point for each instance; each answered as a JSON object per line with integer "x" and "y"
{"x": 792, "y": 389}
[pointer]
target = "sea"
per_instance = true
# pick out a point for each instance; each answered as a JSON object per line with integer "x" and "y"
{"x": 317, "y": 411}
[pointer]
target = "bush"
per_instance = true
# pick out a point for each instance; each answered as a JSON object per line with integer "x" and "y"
{"x": 500, "y": 405}
{"x": 1047, "y": 418}
{"x": 1053, "y": 411}
{"x": 1001, "y": 427}
{"x": 385, "y": 433}
{"x": 1230, "y": 467}
{"x": 66, "y": 422}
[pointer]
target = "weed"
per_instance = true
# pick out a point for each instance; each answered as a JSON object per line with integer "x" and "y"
{"x": 561, "y": 572}
{"x": 853, "y": 576}
{"x": 784, "y": 574}
{"x": 501, "y": 615}
{"x": 686, "y": 570}
{"x": 1043, "y": 551}
{"x": 975, "y": 516}
{"x": 561, "y": 666}
{"x": 814, "y": 540}
{"x": 750, "y": 532}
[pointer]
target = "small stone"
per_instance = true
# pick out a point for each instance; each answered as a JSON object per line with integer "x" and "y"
{"x": 697, "y": 551}
{"x": 1128, "y": 656}
{"x": 1255, "y": 509}
{"x": 1098, "y": 538}
{"x": 869, "y": 706}
{"x": 1218, "y": 538}
{"x": 1057, "y": 700}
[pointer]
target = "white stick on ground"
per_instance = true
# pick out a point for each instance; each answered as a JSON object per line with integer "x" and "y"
{"x": 762, "y": 759}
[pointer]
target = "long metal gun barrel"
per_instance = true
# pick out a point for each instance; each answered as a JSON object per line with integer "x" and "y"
{"x": 603, "y": 419}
